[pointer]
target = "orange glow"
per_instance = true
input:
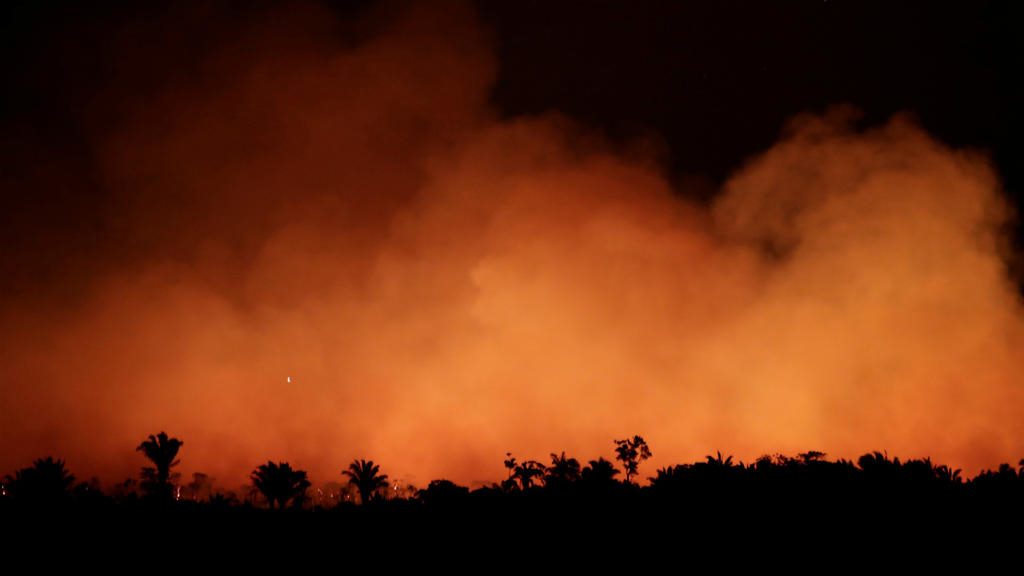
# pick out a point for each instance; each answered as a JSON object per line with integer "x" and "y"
{"x": 442, "y": 286}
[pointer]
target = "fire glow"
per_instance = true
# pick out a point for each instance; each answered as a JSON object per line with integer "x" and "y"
{"x": 446, "y": 285}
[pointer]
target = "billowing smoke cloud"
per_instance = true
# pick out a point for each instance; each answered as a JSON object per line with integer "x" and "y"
{"x": 442, "y": 286}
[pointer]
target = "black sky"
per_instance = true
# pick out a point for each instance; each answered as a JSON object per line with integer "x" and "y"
{"x": 712, "y": 83}
{"x": 718, "y": 79}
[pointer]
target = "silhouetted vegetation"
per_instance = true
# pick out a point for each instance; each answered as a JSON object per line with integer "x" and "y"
{"x": 46, "y": 482}
{"x": 631, "y": 452}
{"x": 366, "y": 477}
{"x": 563, "y": 472}
{"x": 157, "y": 481}
{"x": 280, "y": 485}
{"x": 599, "y": 472}
{"x": 443, "y": 492}
{"x": 874, "y": 497}
{"x": 527, "y": 473}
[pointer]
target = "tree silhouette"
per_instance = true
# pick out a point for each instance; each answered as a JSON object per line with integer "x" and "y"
{"x": 45, "y": 482}
{"x": 509, "y": 483}
{"x": 876, "y": 462}
{"x": 162, "y": 452}
{"x": 443, "y": 492}
{"x": 201, "y": 486}
{"x": 364, "y": 475}
{"x": 631, "y": 453}
{"x": 996, "y": 481}
{"x": 280, "y": 484}
{"x": 527, "y": 471}
{"x": 720, "y": 462}
{"x": 510, "y": 464}
{"x": 669, "y": 477}
{"x": 599, "y": 471}
{"x": 562, "y": 472}
{"x": 805, "y": 457}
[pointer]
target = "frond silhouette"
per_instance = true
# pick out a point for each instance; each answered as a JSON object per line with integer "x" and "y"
{"x": 161, "y": 451}
{"x": 280, "y": 484}
{"x": 47, "y": 481}
{"x": 366, "y": 477}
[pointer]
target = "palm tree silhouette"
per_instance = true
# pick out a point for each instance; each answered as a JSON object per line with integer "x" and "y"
{"x": 563, "y": 471}
{"x": 527, "y": 471}
{"x": 45, "y": 482}
{"x": 599, "y": 471}
{"x": 668, "y": 477}
{"x": 365, "y": 476}
{"x": 877, "y": 464}
{"x": 719, "y": 462}
{"x": 280, "y": 484}
{"x": 162, "y": 452}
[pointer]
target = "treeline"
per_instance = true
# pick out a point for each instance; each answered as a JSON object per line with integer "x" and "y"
{"x": 717, "y": 481}
{"x": 777, "y": 508}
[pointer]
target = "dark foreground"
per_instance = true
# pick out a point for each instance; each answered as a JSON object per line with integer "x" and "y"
{"x": 726, "y": 518}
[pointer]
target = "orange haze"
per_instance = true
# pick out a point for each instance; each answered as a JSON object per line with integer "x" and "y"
{"x": 442, "y": 285}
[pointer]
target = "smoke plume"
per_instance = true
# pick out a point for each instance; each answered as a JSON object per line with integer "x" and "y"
{"x": 320, "y": 242}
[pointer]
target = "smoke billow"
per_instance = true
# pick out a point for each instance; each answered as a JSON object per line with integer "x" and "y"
{"x": 336, "y": 203}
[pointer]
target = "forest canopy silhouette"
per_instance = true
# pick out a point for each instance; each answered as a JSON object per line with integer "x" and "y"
{"x": 718, "y": 504}
{"x": 704, "y": 488}
{"x": 314, "y": 238}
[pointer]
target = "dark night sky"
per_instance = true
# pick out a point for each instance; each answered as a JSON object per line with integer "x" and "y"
{"x": 715, "y": 80}
{"x": 718, "y": 79}
{"x": 712, "y": 82}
